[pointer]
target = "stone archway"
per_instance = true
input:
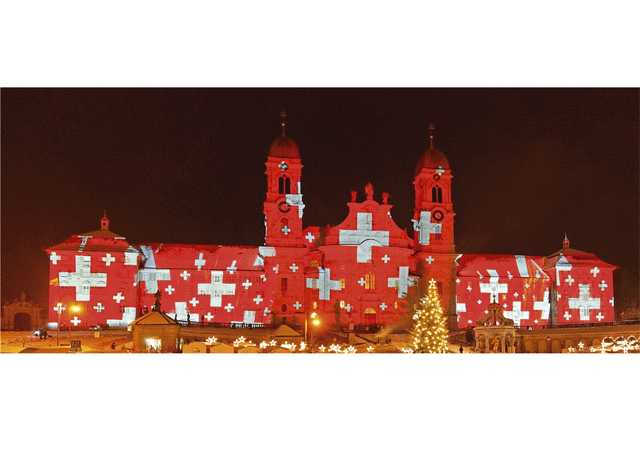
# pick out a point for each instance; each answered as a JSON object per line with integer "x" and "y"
{"x": 22, "y": 321}
{"x": 528, "y": 347}
{"x": 543, "y": 347}
{"x": 556, "y": 346}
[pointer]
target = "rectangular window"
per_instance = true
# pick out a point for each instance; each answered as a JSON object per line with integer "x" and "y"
{"x": 369, "y": 282}
{"x": 283, "y": 284}
{"x": 217, "y": 278}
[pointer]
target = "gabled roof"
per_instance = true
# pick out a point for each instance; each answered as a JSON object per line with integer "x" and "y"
{"x": 506, "y": 265}
{"x": 285, "y": 331}
{"x": 167, "y": 255}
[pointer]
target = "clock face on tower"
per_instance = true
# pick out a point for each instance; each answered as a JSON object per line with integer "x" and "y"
{"x": 283, "y": 206}
{"x": 438, "y": 215}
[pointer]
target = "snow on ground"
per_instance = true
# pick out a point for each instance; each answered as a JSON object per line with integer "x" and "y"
{"x": 14, "y": 342}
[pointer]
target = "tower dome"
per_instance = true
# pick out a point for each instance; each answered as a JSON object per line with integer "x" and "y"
{"x": 284, "y": 147}
{"x": 432, "y": 158}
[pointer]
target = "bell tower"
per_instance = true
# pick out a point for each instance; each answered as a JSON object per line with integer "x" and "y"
{"x": 435, "y": 256}
{"x": 433, "y": 212}
{"x": 283, "y": 207}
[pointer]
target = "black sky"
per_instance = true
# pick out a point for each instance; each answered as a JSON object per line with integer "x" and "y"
{"x": 187, "y": 166}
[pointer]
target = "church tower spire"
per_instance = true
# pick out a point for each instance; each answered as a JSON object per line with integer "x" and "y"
{"x": 283, "y": 207}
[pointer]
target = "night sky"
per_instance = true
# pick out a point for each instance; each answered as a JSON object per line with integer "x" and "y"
{"x": 187, "y": 166}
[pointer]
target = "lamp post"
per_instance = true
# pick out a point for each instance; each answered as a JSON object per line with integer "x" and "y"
{"x": 75, "y": 309}
{"x": 59, "y": 309}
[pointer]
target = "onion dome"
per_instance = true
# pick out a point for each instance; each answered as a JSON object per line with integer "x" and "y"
{"x": 432, "y": 158}
{"x": 283, "y": 146}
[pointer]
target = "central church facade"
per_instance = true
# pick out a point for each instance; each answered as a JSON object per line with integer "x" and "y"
{"x": 362, "y": 271}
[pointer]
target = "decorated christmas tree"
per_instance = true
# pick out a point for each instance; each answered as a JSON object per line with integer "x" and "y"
{"x": 429, "y": 333}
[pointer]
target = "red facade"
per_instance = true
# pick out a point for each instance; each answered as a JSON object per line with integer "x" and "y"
{"x": 359, "y": 271}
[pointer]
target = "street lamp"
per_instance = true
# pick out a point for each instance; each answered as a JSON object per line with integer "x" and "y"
{"x": 59, "y": 308}
{"x": 74, "y": 309}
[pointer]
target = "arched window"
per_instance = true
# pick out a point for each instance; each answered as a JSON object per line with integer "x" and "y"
{"x": 436, "y": 194}
{"x": 284, "y": 185}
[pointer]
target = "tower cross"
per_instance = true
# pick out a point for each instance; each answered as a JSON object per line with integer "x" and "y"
{"x": 283, "y": 115}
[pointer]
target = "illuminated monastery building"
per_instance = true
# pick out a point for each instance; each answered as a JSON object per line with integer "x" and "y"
{"x": 359, "y": 271}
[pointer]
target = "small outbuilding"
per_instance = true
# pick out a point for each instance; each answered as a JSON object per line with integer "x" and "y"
{"x": 156, "y": 331}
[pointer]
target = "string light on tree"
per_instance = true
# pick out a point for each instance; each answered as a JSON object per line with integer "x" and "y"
{"x": 429, "y": 333}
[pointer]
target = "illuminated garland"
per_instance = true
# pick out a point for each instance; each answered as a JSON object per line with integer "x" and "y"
{"x": 610, "y": 346}
{"x": 429, "y": 333}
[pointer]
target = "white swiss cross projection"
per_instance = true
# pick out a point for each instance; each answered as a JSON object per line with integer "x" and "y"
{"x": 348, "y": 307}
{"x": 584, "y": 302}
{"x": 599, "y": 316}
{"x": 425, "y": 227}
{"x": 383, "y": 306}
{"x": 99, "y": 308}
{"x": 233, "y": 267}
{"x": 324, "y": 284}
{"x": 216, "y": 288}
{"x": 286, "y": 230}
{"x": 246, "y": 284}
{"x": 185, "y": 275}
{"x": 83, "y": 279}
{"x": 228, "y": 307}
{"x": 209, "y": 316}
{"x": 194, "y": 301}
{"x": 293, "y": 267}
{"x": 364, "y": 237}
{"x": 493, "y": 287}
{"x": 386, "y": 258}
{"x": 108, "y": 259}
{"x": 562, "y": 265}
{"x": 249, "y": 318}
{"x": 149, "y": 273}
{"x": 199, "y": 262}
{"x": 310, "y": 237}
{"x": 258, "y": 299}
{"x": 543, "y": 306}
{"x": 402, "y": 282}
{"x": 603, "y": 285}
{"x": 569, "y": 280}
{"x": 54, "y": 258}
{"x": 118, "y": 297}
{"x": 182, "y": 314}
{"x": 439, "y": 171}
{"x": 297, "y": 305}
{"x": 595, "y": 271}
{"x": 295, "y": 200}
{"x": 429, "y": 259}
{"x": 170, "y": 289}
{"x": 516, "y": 314}
{"x": 283, "y": 166}
{"x": 128, "y": 316}
{"x": 75, "y": 321}
{"x": 59, "y": 308}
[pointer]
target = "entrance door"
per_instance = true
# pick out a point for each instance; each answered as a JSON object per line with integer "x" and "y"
{"x": 21, "y": 322}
